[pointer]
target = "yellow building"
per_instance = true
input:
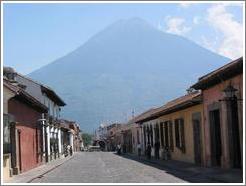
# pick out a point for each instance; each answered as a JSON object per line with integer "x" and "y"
{"x": 175, "y": 130}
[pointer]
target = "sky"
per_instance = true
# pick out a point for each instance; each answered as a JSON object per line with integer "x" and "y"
{"x": 37, "y": 34}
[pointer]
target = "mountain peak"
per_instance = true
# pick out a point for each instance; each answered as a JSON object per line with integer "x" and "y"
{"x": 134, "y": 23}
{"x": 136, "y": 20}
{"x": 129, "y": 64}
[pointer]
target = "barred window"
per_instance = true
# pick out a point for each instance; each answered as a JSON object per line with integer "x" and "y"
{"x": 179, "y": 134}
{"x": 168, "y": 135}
{"x": 6, "y": 134}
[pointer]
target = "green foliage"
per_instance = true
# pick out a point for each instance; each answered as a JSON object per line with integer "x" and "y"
{"x": 87, "y": 139}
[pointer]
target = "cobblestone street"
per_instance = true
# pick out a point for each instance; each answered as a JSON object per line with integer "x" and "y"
{"x": 107, "y": 167}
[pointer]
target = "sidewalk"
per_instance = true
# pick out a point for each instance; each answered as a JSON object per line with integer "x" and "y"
{"x": 30, "y": 175}
{"x": 198, "y": 173}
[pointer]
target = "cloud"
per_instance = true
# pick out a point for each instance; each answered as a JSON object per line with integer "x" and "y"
{"x": 176, "y": 25}
{"x": 209, "y": 44}
{"x": 231, "y": 30}
{"x": 196, "y": 20}
{"x": 185, "y": 5}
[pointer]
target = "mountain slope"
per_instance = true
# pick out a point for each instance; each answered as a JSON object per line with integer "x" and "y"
{"x": 129, "y": 65}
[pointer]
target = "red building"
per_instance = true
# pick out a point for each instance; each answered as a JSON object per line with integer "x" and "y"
{"x": 26, "y": 133}
{"x": 222, "y": 92}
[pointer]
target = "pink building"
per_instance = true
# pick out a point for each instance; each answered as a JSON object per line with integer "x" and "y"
{"x": 222, "y": 92}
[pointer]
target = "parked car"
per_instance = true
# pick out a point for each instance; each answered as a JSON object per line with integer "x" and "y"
{"x": 94, "y": 148}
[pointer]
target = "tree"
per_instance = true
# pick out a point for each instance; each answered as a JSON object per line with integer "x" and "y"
{"x": 87, "y": 138}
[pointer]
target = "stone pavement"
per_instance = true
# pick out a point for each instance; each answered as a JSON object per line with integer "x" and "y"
{"x": 32, "y": 174}
{"x": 107, "y": 167}
{"x": 213, "y": 174}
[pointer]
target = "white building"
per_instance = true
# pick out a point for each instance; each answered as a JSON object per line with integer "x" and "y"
{"x": 47, "y": 96}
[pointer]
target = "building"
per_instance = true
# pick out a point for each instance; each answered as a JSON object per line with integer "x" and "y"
{"x": 50, "y": 121}
{"x": 75, "y": 136}
{"x": 141, "y": 133}
{"x": 66, "y": 135}
{"x": 70, "y": 135}
{"x": 8, "y": 93}
{"x": 177, "y": 127}
{"x": 101, "y": 136}
{"x": 22, "y": 129}
{"x": 222, "y": 92}
{"x": 111, "y": 131}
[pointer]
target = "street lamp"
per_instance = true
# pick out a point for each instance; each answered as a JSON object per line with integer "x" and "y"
{"x": 229, "y": 92}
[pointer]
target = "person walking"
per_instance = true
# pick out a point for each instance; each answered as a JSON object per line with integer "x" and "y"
{"x": 71, "y": 151}
{"x": 119, "y": 149}
{"x": 139, "y": 150}
{"x": 157, "y": 148}
{"x": 149, "y": 151}
{"x": 68, "y": 149}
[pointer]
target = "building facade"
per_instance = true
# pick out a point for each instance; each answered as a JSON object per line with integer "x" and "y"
{"x": 222, "y": 92}
{"x": 50, "y": 121}
{"x": 23, "y": 128}
{"x": 175, "y": 130}
{"x": 8, "y": 93}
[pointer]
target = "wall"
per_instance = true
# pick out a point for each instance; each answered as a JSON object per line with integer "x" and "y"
{"x": 30, "y": 142}
{"x": 7, "y": 94}
{"x": 148, "y": 123}
{"x": 32, "y": 88}
{"x": 186, "y": 114}
{"x": 211, "y": 96}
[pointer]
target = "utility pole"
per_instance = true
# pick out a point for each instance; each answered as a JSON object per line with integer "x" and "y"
{"x": 132, "y": 113}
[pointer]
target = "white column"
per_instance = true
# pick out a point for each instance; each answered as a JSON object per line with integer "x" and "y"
{"x": 43, "y": 129}
{"x": 153, "y": 130}
{"x": 48, "y": 139}
{"x": 142, "y": 139}
{"x": 59, "y": 140}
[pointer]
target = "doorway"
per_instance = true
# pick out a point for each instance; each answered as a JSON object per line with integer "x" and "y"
{"x": 234, "y": 136}
{"x": 196, "y": 122}
{"x": 215, "y": 133}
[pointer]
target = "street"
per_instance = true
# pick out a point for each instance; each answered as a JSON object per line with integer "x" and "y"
{"x": 106, "y": 167}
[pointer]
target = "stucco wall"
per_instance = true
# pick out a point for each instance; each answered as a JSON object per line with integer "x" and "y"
{"x": 26, "y": 121}
{"x": 7, "y": 94}
{"x": 212, "y": 96}
{"x": 186, "y": 114}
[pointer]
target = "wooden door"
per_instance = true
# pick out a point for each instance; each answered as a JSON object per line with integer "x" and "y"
{"x": 197, "y": 141}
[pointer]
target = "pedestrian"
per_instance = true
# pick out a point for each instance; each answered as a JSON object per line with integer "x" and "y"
{"x": 149, "y": 151}
{"x": 139, "y": 150}
{"x": 71, "y": 151}
{"x": 119, "y": 149}
{"x": 68, "y": 149}
{"x": 157, "y": 148}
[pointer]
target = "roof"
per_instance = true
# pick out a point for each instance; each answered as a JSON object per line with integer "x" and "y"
{"x": 49, "y": 91}
{"x": 180, "y": 103}
{"x": 144, "y": 115}
{"x": 65, "y": 123}
{"x": 221, "y": 74}
{"x": 52, "y": 94}
{"x": 24, "y": 96}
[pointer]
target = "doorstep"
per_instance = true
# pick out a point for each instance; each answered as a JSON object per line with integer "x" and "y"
{"x": 27, "y": 177}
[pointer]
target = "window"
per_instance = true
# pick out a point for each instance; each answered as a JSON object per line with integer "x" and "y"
{"x": 168, "y": 135}
{"x": 138, "y": 140}
{"x": 179, "y": 134}
{"x": 6, "y": 134}
{"x": 162, "y": 136}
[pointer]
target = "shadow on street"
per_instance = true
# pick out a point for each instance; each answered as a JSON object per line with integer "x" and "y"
{"x": 190, "y": 172}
